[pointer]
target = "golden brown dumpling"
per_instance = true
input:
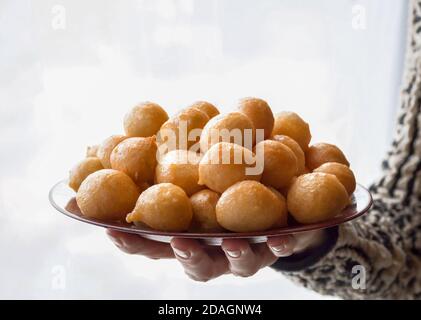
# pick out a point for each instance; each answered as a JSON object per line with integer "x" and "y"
{"x": 321, "y": 153}
{"x": 284, "y": 190}
{"x": 342, "y": 172}
{"x": 225, "y": 164}
{"x": 182, "y": 131}
{"x": 144, "y": 120}
{"x": 283, "y": 220}
{"x": 180, "y": 167}
{"x": 137, "y": 158}
{"x": 206, "y": 107}
{"x": 234, "y": 127}
{"x": 83, "y": 169}
{"x": 249, "y": 206}
{"x": 295, "y": 147}
{"x": 163, "y": 207}
{"x": 259, "y": 113}
{"x": 107, "y": 195}
{"x": 105, "y": 149}
{"x": 316, "y": 197}
{"x": 204, "y": 215}
{"x": 280, "y": 163}
{"x": 143, "y": 186}
{"x": 292, "y": 125}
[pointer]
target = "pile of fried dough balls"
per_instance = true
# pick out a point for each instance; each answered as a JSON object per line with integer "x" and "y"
{"x": 186, "y": 188}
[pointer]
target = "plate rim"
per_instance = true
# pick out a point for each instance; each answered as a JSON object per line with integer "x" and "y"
{"x": 211, "y": 235}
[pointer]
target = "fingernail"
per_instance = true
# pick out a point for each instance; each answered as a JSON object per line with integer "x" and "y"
{"x": 234, "y": 254}
{"x": 182, "y": 254}
{"x": 281, "y": 248}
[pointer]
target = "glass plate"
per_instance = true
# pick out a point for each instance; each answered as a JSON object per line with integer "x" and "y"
{"x": 62, "y": 197}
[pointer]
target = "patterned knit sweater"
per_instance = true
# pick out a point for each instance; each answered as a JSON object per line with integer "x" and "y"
{"x": 384, "y": 246}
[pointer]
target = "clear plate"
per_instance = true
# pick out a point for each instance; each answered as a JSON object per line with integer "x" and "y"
{"x": 62, "y": 197}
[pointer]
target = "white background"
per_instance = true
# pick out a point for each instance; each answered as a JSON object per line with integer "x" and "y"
{"x": 62, "y": 89}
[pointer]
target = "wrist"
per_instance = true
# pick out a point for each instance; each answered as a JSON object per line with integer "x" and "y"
{"x": 311, "y": 240}
{"x": 318, "y": 247}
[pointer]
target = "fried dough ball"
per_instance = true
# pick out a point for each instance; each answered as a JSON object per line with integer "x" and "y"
{"x": 225, "y": 164}
{"x": 321, "y": 153}
{"x": 316, "y": 197}
{"x": 280, "y": 163}
{"x": 259, "y": 113}
{"x": 144, "y": 120}
{"x": 342, "y": 172}
{"x": 183, "y": 130}
{"x": 295, "y": 147}
{"x": 107, "y": 194}
{"x": 180, "y": 167}
{"x": 143, "y": 186}
{"x": 105, "y": 149}
{"x": 248, "y": 206}
{"x": 83, "y": 169}
{"x": 234, "y": 127}
{"x": 292, "y": 125}
{"x": 137, "y": 158}
{"x": 283, "y": 221}
{"x": 208, "y": 108}
{"x": 284, "y": 190}
{"x": 163, "y": 207}
{"x": 204, "y": 215}
{"x": 91, "y": 151}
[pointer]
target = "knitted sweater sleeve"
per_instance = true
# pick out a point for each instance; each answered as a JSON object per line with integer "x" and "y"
{"x": 379, "y": 255}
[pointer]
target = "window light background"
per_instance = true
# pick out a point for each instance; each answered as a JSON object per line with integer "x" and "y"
{"x": 64, "y": 89}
